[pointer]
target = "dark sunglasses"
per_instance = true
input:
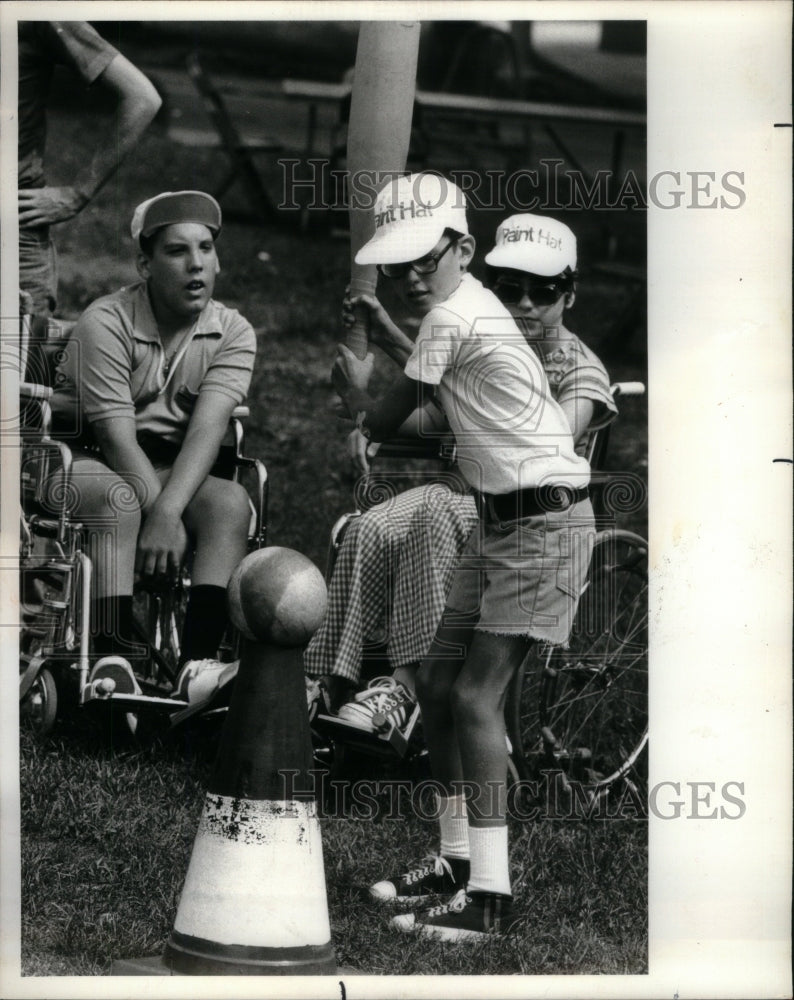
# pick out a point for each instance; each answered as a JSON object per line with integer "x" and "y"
{"x": 425, "y": 265}
{"x": 542, "y": 293}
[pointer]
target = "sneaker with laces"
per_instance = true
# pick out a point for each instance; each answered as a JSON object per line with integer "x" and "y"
{"x": 383, "y": 705}
{"x": 467, "y": 916}
{"x": 436, "y": 876}
{"x": 198, "y": 680}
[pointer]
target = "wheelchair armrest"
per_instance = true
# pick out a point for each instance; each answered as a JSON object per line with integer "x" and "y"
{"x": 33, "y": 390}
{"x": 434, "y": 448}
{"x": 627, "y": 389}
{"x": 35, "y": 410}
{"x": 260, "y": 499}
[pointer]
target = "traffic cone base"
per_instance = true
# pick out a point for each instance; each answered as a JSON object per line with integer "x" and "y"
{"x": 197, "y": 957}
{"x": 256, "y": 873}
{"x": 254, "y": 900}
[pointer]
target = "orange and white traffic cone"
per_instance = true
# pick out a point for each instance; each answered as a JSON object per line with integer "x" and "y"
{"x": 254, "y": 899}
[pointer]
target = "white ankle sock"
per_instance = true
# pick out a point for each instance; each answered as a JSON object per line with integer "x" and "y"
{"x": 454, "y": 823}
{"x": 490, "y": 871}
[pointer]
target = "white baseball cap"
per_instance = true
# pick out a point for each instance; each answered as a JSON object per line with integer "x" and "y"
{"x": 535, "y": 244}
{"x": 411, "y": 214}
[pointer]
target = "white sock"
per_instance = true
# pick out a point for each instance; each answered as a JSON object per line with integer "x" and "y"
{"x": 490, "y": 871}
{"x": 454, "y": 823}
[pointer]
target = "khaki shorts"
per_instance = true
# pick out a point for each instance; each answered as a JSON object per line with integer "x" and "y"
{"x": 525, "y": 577}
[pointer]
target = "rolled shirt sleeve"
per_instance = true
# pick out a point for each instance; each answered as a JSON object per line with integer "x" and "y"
{"x": 79, "y": 45}
{"x": 231, "y": 369}
{"x": 575, "y": 372}
{"x": 96, "y": 368}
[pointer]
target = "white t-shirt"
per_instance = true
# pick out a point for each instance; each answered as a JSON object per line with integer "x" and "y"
{"x": 509, "y": 431}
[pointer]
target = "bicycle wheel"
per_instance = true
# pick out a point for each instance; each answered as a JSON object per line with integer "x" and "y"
{"x": 588, "y": 715}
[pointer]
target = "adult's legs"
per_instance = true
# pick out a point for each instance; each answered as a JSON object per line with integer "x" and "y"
{"x": 38, "y": 269}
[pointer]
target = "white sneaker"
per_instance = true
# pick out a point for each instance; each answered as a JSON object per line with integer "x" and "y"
{"x": 198, "y": 680}
{"x": 381, "y": 706}
{"x": 112, "y": 675}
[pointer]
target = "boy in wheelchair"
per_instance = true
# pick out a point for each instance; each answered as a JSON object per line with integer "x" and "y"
{"x": 144, "y": 394}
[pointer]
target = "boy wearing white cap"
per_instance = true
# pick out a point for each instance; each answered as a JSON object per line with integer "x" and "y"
{"x": 150, "y": 377}
{"x": 532, "y": 270}
{"x": 524, "y": 565}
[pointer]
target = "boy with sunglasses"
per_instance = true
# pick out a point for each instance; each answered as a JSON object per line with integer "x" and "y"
{"x": 524, "y": 565}
{"x": 395, "y": 564}
{"x": 532, "y": 270}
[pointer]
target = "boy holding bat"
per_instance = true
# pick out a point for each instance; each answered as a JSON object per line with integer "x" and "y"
{"x": 524, "y": 565}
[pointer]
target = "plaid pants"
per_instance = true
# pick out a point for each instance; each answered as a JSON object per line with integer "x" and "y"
{"x": 390, "y": 580}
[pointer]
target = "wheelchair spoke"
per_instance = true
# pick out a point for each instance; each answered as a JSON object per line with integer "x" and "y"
{"x": 591, "y": 714}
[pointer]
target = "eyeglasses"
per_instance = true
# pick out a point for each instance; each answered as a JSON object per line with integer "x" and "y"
{"x": 542, "y": 293}
{"x": 425, "y": 265}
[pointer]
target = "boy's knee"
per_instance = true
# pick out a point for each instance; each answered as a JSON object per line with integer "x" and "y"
{"x": 106, "y": 500}
{"x": 223, "y": 504}
{"x": 467, "y": 703}
{"x": 239, "y": 506}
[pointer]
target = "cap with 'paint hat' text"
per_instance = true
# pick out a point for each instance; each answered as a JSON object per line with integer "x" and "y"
{"x": 535, "y": 244}
{"x": 411, "y": 214}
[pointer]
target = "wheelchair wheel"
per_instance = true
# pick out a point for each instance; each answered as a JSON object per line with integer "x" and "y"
{"x": 39, "y": 708}
{"x": 584, "y": 711}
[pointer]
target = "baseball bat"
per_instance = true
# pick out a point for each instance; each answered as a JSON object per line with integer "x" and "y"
{"x": 379, "y": 132}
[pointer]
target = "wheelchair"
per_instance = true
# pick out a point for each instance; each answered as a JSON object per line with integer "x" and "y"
{"x": 55, "y": 576}
{"x": 577, "y": 712}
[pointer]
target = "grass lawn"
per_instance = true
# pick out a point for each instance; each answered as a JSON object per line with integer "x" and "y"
{"x": 107, "y": 828}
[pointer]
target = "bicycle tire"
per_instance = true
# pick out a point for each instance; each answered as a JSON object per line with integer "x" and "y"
{"x": 584, "y": 707}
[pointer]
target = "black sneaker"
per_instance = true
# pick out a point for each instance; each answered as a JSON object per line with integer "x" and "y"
{"x": 436, "y": 876}
{"x": 464, "y": 917}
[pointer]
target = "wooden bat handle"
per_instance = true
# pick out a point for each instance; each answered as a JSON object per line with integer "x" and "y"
{"x": 357, "y": 336}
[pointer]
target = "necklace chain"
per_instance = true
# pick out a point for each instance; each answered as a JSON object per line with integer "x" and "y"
{"x": 168, "y": 357}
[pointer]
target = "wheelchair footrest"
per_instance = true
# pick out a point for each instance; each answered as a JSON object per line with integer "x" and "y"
{"x": 112, "y": 681}
{"x": 134, "y": 702}
{"x": 395, "y": 741}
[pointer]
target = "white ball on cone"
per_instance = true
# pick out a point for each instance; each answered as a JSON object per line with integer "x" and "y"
{"x": 277, "y": 595}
